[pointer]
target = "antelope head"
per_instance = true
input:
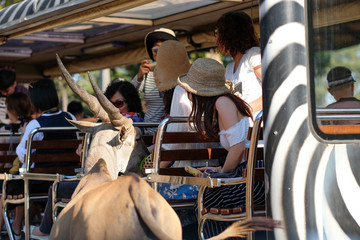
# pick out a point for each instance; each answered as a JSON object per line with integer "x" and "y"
{"x": 115, "y": 139}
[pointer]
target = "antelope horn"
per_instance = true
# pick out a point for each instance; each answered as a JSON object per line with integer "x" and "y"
{"x": 89, "y": 99}
{"x": 116, "y": 118}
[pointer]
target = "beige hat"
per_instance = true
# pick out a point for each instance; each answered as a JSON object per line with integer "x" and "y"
{"x": 160, "y": 34}
{"x": 206, "y": 77}
{"x": 171, "y": 61}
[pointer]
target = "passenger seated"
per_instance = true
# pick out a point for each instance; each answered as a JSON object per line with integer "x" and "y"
{"x": 172, "y": 61}
{"x": 125, "y": 97}
{"x": 227, "y": 116}
{"x": 8, "y": 86}
{"x": 19, "y": 110}
{"x": 341, "y": 87}
{"x": 144, "y": 79}
{"x": 45, "y": 100}
{"x": 76, "y": 109}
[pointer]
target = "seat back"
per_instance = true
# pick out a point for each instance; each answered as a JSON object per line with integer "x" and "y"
{"x": 52, "y": 156}
{"x": 182, "y": 146}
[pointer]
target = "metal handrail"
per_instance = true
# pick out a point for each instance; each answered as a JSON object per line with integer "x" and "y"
{"x": 338, "y": 117}
{"x": 338, "y": 114}
{"x": 337, "y": 110}
{"x": 8, "y": 134}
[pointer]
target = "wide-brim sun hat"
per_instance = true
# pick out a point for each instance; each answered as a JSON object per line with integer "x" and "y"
{"x": 206, "y": 77}
{"x": 171, "y": 61}
{"x": 338, "y": 76}
{"x": 160, "y": 34}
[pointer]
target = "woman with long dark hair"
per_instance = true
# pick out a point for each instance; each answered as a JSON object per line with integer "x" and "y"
{"x": 226, "y": 115}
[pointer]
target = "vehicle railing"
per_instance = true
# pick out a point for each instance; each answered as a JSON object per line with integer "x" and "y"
{"x": 337, "y": 114}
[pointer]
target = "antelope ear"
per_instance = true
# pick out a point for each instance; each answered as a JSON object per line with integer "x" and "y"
{"x": 83, "y": 126}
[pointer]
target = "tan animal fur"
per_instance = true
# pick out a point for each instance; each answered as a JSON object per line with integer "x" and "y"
{"x": 126, "y": 208}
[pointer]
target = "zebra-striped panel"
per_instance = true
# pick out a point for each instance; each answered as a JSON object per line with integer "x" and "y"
{"x": 28, "y": 9}
{"x": 313, "y": 187}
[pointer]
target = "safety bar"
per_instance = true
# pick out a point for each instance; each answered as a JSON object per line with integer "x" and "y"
{"x": 338, "y": 114}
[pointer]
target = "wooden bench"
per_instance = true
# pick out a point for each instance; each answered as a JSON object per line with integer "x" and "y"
{"x": 48, "y": 152}
{"x": 253, "y": 154}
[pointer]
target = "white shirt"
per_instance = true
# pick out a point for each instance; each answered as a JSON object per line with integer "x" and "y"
{"x": 33, "y": 124}
{"x": 235, "y": 134}
{"x": 251, "y": 84}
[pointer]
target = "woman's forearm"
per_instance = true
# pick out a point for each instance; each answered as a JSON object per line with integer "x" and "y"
{"x": 233, "y": 158}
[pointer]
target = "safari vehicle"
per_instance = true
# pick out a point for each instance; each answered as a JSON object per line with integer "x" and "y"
{"x": 311, "y": 170}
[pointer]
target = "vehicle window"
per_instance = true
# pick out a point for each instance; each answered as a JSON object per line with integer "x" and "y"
{"x": 334, "y": 66}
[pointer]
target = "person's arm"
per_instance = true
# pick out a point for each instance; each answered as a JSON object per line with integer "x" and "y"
{"x": 256, "y": 105}
{"x": 145, "y": 68}
{"x": 228, "y": 116}
{"x": 21, "y": 148}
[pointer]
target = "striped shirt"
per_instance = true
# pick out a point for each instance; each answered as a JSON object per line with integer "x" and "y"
{"x": 153, "y": 100}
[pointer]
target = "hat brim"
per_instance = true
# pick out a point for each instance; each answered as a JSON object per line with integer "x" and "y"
{"x": 152, "y": 37}
{"x": 204, "y": 91}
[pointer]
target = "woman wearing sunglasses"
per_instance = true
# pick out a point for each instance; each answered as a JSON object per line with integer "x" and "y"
{"x": 126, "y": 98}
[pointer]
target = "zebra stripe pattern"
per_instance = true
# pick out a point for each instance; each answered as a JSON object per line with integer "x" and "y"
{"x": 313, "y": 188}
{"x": 25, "y": 10}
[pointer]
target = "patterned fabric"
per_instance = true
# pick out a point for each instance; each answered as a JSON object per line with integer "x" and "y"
{"x": 180, "y": 192}
{"x": 136, "y": 117}
{"x": 167, "y": 190}
{"x": 229, "y": 197}
{"x": 153, "y": 100}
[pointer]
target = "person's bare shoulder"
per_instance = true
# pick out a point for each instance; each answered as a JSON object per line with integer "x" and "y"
{"x": 227, "y": 111}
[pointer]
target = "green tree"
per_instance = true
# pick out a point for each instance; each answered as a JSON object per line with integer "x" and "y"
{"x": 6, "y": 3}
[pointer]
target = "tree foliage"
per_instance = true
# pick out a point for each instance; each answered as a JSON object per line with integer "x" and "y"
{"x": 6, "y": 3}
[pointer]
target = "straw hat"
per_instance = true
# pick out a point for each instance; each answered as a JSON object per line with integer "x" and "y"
{"x": 206, "y": 77}
{"x": 171, "y": 61}
{"x": 160, "y": 34}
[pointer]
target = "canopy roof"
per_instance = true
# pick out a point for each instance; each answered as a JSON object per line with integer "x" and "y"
{"x": 97, "y": 34}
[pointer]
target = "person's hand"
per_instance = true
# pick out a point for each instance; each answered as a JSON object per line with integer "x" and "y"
{"x": 145, "y": 68}
{"x": 207, "y": 170}
{"x": 214, "y": 169}
{"x": 78, "y": 150}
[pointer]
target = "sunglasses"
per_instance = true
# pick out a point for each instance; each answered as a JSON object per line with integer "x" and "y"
{"x": 118, "y": 103}
{"x": 155, "y": 50}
